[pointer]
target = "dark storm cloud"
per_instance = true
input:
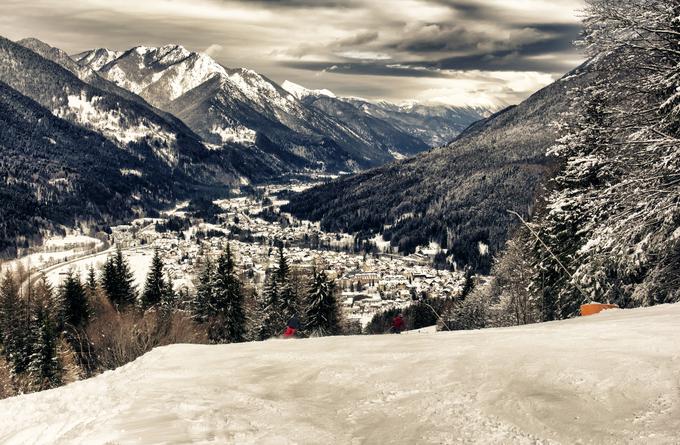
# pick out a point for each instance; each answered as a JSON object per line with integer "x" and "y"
{"x": 469, "y": 10}
{"x": 445, "y": 37}
{"x": 305, "y": 4}
{"x": 366, "y": 68}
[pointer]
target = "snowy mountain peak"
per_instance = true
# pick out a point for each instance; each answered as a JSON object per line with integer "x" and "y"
{"x": 158, "y": 74}
{"x": 171, "y": 54}
{"x": 300, "y": 92}
{"x": 97, "y": 58}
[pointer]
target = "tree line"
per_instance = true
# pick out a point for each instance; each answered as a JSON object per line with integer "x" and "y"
{"x": 49, "y": 336}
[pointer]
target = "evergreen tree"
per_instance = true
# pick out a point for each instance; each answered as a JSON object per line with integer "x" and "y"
{"x": 156, "y": 287}
{"x": 43, "y": 366}
{"x": 201, "y": 307}
{"x": 269, "y": 322}
{"x": 91, "y": 281}
{"x": 468, "y": 282}
{"x": 322, "y": 315}
{"x": 12, "y": 324}
{"x": 109, "y": 280}
{"x": 170, "y": 298}
{"x": 118, "y": 280}
{"x": 272, "y": 322}
{"x": 611, "y": 221}
{"x": 227, "y": 306}
{"x": 73, "y": 300}
{"x": 287, "y": 299}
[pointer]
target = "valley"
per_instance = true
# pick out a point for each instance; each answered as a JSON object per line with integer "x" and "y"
{"x": 371, "y": 277}
{"x": 211, "y": 212}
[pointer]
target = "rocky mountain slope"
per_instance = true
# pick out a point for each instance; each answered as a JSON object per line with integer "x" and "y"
{"x": 131, "y": 125}
{"x": 434, "y": 124}
{"x": 243, "y": 107}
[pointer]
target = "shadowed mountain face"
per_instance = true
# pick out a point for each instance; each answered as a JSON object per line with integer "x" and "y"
{"x": 458, "y": 195}
{"x": 56, "y": 173}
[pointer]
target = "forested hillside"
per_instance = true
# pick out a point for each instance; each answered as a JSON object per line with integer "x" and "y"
{"x": 53, "y": 172}
{"x": 457, "y": 195}
{"x": 610, "y": 228}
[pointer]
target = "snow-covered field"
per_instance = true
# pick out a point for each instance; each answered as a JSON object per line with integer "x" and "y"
{"x": 607, "y": 379}
{"x": 139, "y": 260}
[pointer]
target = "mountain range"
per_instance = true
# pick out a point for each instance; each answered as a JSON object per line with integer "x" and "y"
{"x": 292, "y": 129}
{"x": 170, "y": 122}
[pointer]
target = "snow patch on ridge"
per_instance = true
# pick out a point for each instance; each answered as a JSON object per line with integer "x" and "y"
{"x": 111, "y": 123}
{"x": 300, "y": 92}
{"x": 130, "y": 172}
{"x": 239, "y": 134}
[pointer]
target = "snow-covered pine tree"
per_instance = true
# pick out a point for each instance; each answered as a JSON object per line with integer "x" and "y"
{"x": 155, "y": 286}
{"x": 228, "y": 320}
{"x": 75, "y": 308}
{"x": 614, "y": 219}
{"x": 574, "y": 204}
{"x": 268, "y": 320}
{"x": 322, "y": 316}
{"x": 271, "y": 319}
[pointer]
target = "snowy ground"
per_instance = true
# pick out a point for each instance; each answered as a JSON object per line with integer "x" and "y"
{"x": 610, "y": 378}
{"x": 139, "y": 260}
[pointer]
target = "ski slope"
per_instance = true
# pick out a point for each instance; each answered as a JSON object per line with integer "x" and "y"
{"x": 610, "y": 378}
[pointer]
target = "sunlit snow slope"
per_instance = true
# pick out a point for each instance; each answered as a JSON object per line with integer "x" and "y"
{"x": 610, "y": 378}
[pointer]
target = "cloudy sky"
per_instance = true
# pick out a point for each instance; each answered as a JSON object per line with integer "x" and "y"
{"x": 473, "y": 52}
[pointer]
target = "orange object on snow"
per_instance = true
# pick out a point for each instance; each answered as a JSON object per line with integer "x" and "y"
{"x": 594, "y": 308}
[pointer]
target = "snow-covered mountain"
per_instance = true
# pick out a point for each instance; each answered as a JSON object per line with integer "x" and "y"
{"x": 67, "y": 96}
{"x": 436, "y": 124}
{"x": 301, "y": 92}
{"x": 237, "y": 106}
{"x": 433, "y": 124}
{"x": 289, "y": 124}
{"x": 544, "y": 383}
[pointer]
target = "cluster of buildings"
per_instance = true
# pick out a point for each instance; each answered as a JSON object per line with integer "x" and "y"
{"x": 366, "y": 283}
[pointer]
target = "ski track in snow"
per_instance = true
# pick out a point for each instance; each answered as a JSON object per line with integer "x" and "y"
{"x": 606, "y": 379}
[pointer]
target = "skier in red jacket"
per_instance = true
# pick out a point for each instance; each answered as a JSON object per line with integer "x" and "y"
{"x": 398, "y": 324}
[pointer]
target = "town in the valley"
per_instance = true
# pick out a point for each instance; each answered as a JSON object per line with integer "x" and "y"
{"x": 370, "y": 277}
